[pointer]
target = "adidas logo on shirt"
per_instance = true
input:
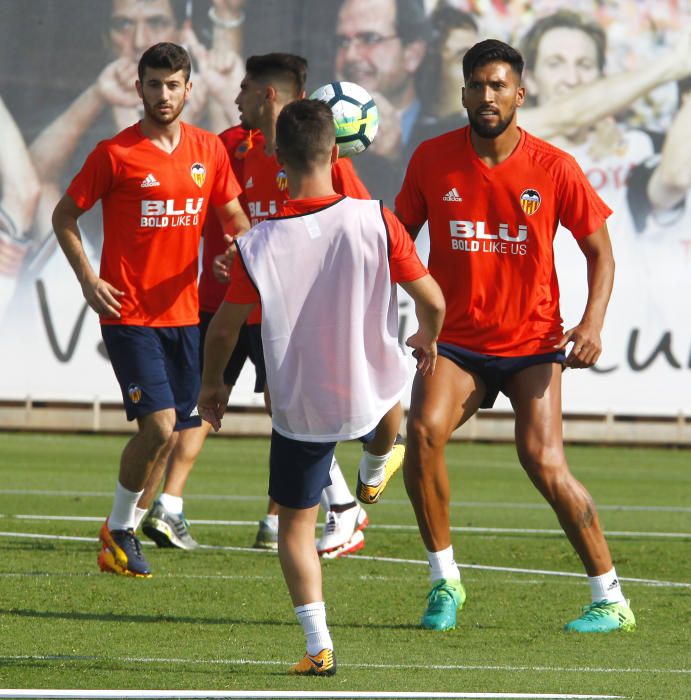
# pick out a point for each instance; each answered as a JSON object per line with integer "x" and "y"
{"x": 249, "y": 183}
{"x": 150, "y": 181}
{"x": 452, "y": 196}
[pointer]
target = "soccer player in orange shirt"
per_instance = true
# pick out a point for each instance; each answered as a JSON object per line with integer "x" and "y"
{"x": 493, "y": 196}
{"x": 156, "y": 180}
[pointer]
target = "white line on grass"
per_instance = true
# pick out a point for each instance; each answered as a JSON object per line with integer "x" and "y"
{"x": 393, "y": 667}
{"x": 389, "y": 501}
{"x": 116, "y": 694}
{"x": 390, "y": 560}
{"x": 406, "y": 528}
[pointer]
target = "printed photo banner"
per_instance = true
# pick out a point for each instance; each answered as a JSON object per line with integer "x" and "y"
{"x": 610, "y": 84}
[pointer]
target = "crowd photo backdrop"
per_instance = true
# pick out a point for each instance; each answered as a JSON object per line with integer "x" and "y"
{"x": 608, "y": 81}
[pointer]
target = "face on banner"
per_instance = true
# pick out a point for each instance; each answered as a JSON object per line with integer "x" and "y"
{"x": 635, "y": 152}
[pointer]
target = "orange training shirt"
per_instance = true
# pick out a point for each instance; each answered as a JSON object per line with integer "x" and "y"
{"x": 491, "y": 237}
{"x": 154, "y": 205}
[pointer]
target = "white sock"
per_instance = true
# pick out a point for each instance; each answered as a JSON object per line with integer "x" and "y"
{"x": 271, "y": 521}
{"x": 312, "y": 617}
{"x": 173, "y": 504}
{"x": 373, "y": 468}
{"x": 338, "y": 493}
{"x": 123, "y": 516}
{"x": 443, "y": 565}
{"x": 606, "y": 587}
{"x": 139, "y": 514}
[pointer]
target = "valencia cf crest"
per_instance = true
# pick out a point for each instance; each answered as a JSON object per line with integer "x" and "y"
{"x": 135, "y": 393}
{"x": 530, "y": 201}
{"x": 198, "y": 172}
{"x": 282, "y": 180}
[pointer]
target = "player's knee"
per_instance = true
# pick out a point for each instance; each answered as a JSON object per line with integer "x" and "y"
{"x": 545, "y": 463}
{"x": 158, "y": 429}
{"x": 424, "y": 434}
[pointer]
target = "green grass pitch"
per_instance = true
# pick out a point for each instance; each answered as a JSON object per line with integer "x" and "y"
{"x": 220, "y": 618}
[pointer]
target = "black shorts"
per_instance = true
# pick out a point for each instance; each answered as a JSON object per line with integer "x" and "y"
{"x": 298, "y": 471}
{"x": 157, "y": 368}
{"x": 249, "y": 346}
{"x": 495, "y": 371}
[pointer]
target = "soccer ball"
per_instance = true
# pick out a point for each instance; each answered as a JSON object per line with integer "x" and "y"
{"x": 355, "y": 115}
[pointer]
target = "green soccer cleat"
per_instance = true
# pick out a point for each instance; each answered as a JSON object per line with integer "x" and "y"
{"x": 602, "y": 616}
{"x": 443, "y": 603}
{"x": 371, "y": 494}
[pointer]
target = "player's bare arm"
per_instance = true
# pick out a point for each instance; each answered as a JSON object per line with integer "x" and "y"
{"x": 101, "y": 296}
{"x": 221, "y": 338}
{"x": 587, "y": 344}
{"x": 588, "y": 104}
{"x": 235, "y": 223}
{"x": 430, "y": 308}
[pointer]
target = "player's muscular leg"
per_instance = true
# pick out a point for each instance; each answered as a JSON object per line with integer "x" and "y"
{"x": 183, "y": 457}
{"x": 152, "y": 442}
{"x": 298, "y": 554}
{"x": 535, "y": 394}
{"x": 439, "y": 404}
{"x": 386, "y": 431}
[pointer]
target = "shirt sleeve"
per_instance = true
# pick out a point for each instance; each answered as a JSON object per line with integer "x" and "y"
{"x": 241, "y": 289}
{"x": 346, "y": 181}
{"x": 94, "y": 179}
{"x": 226, "y": 186}
{"x": 411, "y": 205}
{"x": 581, "y": 210}
{"x": 404, "y": 263}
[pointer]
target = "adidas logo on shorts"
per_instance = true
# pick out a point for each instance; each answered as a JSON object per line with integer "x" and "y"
{"x": 452, "y": 196}
{"x": 150, "y": 181}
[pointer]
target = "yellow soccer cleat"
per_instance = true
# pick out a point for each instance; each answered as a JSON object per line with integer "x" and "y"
{"x": 321, "y": 664}
{"x": 371, "y": 494}
{"x": 121, "y": 553}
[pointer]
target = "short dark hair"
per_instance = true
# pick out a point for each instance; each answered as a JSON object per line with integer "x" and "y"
{"x": 305, "y": 134}
{"x": 563, "y": 19}
{"x": 411, "y": 21}
{"x": 165, "y": 55}
{"x": 287, "y": 68}
{"x": 491, "y": 51}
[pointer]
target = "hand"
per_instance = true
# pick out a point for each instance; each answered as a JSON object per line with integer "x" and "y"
{"x": 212, "y": 403}
{"x": 586, "y": 349}
{"x": 115, "y": 84}
{"x": 388, "y": 141}
{"x": 221, "y": 269}
{"x": 102, "y": 297}
{"x": 12, "y": 252}
{"x": 223, "y": 72}
{"x": 424, "y": 351}
{"x": 222, "y": 263}
{"x": 219, "y": 72}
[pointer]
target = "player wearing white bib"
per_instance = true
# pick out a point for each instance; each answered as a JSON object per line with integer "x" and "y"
{"x": 324, "y": 270}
